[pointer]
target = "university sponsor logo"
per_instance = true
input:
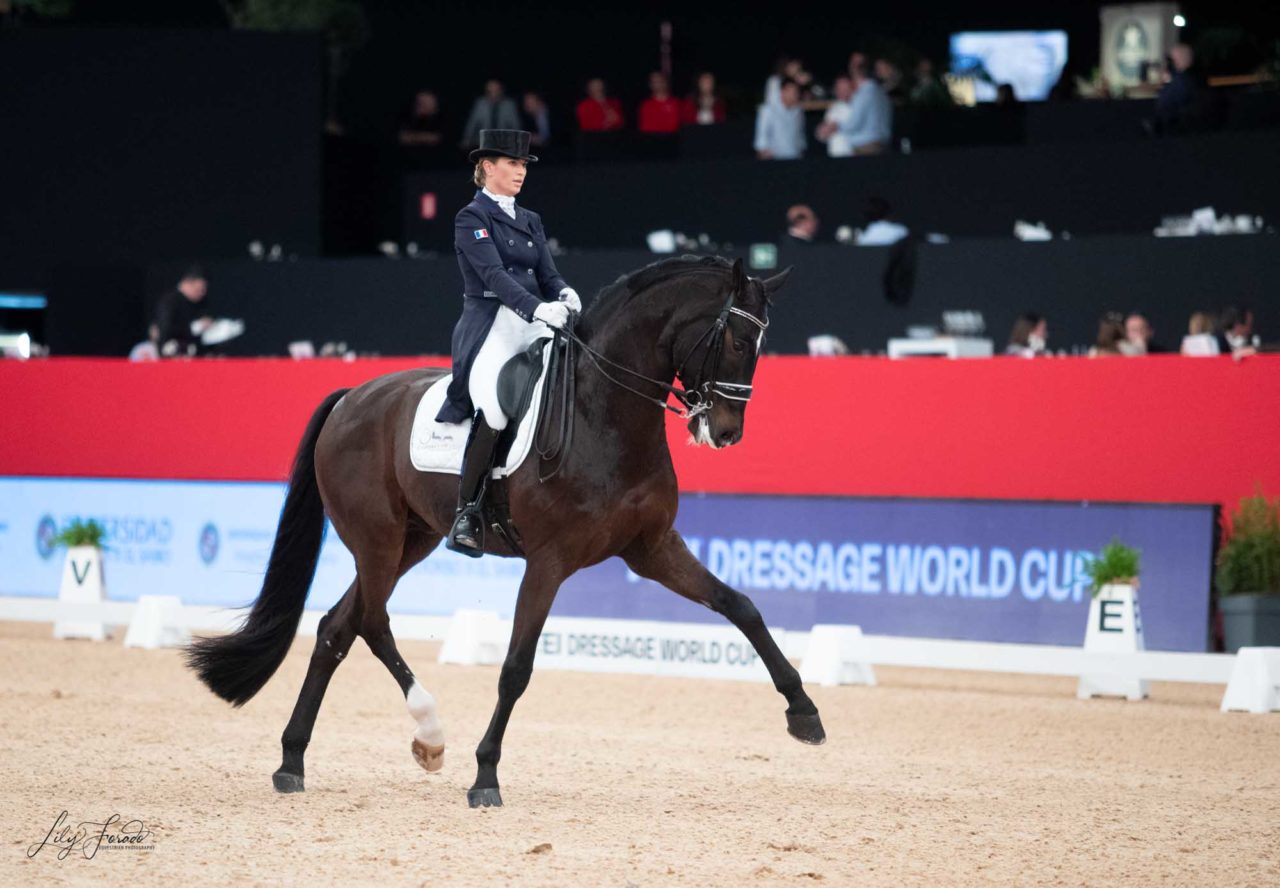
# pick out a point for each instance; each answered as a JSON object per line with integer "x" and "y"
{"x": 46, "y": 530}
{"x": 85, "y": 838}
{"x": 127, "y": 539}
{"x": 208, "y": 543}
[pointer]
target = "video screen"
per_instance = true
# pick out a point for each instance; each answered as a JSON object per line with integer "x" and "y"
{"x": 1029, "y": 61}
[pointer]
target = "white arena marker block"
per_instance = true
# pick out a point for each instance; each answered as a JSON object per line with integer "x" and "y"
{"x": 82, "y": 583}
{"x": 835, "y": 657}
{"x": 475, "y": 638}
{"x": 1255, "y": 681}
{"x": 157, "y": 622}
{"x": 1115, "y": 627}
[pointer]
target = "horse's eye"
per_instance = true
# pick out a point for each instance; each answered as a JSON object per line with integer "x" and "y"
{"x": 739, "y": 346}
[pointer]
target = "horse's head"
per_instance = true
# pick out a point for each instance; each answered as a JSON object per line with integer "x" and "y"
{"x": 722, "y": 352}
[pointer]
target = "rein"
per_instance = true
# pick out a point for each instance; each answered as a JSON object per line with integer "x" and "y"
{"x": 693, "y": 401}
{"x": 552, "y": 447}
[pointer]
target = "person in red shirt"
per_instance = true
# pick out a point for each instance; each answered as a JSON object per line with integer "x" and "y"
{"x": 704, "y": 104}
{"x": 598, "y": 112}
{"x": 660, "y": 113}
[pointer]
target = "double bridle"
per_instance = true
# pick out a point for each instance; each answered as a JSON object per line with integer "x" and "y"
{"x": 554, "y": 436}
{"x": 694, "y": 401}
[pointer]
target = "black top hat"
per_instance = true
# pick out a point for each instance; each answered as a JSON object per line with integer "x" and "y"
{"x": 503, "y": 143}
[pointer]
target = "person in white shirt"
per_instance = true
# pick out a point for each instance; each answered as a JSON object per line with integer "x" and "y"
{"x": 869, "y": 126}
{"x": 780, "y": 127}
{"x": 881, "y": 231}
{"x": 829, "y": 130}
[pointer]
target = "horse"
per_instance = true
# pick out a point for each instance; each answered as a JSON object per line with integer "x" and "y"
{"x": 700, "y": 322}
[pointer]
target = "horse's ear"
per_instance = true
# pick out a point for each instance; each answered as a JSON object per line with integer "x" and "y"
{"x": 739, "y": 282}
{"x": 774, "y": 284}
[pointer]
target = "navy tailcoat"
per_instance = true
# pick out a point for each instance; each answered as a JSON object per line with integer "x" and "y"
{"x": 504, "y": 261}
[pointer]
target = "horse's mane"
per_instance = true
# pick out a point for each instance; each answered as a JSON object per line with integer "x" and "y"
{"x": 612, "y": 297}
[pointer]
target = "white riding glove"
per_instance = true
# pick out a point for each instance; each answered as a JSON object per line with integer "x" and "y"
{"x": 553, "y": 314}
{"x": 569, "y": 297}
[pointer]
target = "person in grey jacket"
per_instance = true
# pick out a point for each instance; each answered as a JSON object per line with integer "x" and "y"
{"x": 491, "y": 111}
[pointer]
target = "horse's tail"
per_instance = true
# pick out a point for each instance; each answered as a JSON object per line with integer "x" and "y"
{"x": 236, "y": 666}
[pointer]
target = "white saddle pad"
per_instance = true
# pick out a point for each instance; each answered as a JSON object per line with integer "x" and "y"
{"x": 438, "y": 446}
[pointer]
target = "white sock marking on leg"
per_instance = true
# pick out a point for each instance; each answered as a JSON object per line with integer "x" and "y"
{"x": 422, "y": 706}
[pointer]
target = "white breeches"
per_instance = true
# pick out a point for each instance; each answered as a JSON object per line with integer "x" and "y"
{"x": 508, "y": 337}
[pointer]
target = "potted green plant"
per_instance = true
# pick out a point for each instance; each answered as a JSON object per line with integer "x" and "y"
{"x": 1248, "y": 575}
{"x": 1115, "y": 625}
{"x": 82, "y": 581}
{"x": 1116, "y": 565}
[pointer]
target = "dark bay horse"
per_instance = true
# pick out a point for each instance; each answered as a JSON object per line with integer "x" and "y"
{"x": 698, "y": 321}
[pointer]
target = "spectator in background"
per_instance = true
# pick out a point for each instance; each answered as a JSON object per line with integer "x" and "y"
{"x": 1176, "y": 101}
{"x": 1141, "y": 337}
{"x": 837, "y": 113}
{"x": 1201, "y": 340}
{"x": 802, "y": 224}
{"x": 537, "y": 119}
{"x": 869, "y": 126}
{"x": 179, "y": 319}
{"x": 1235, "y": 332}
{"x": 857, "y": 62}
{"x": 1110, "y": 336}
{"x": 423, "y": 127}
{"x": 929, "y": 91}
{"x": 881, "y": 230}
{"x": 660, "y": 113}
{"x": 889, "y": 76}
{"x": 493, "y": 110}
{"x": 1029, "y": 337}
{"x": 780, "y": 127}
{"x": 788, "y": 68}
{"x": 704, "y": 105}
{"x": 599, "y": 112}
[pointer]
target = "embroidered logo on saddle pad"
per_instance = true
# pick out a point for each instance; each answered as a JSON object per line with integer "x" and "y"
{"x": 438, "y": 446}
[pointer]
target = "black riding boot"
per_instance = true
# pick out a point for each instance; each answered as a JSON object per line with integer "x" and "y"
{"x": 467, "y": 535}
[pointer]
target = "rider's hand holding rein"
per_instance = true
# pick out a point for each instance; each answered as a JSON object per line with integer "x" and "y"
{"x": 554, "y": 314}
{"x": 569, "y": 297}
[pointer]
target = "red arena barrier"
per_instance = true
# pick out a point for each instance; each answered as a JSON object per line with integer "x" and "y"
{"x": 1156, "y": 429}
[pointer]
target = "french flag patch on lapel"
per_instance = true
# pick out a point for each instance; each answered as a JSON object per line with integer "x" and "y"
{"x": 481, "y": 233}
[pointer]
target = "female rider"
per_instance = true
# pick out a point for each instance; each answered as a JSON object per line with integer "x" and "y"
{"x": 511, "y": 289}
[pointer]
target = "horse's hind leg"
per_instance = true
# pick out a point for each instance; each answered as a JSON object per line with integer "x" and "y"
{"x": 428, "y": 738}
{"x": 333, "y": 639}
{"x": 672, "y": 564}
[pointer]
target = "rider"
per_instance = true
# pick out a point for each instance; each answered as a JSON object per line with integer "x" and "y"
{"x": 511, "y": 289}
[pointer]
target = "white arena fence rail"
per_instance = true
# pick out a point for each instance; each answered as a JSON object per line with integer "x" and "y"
{"x": 480, "y": 638}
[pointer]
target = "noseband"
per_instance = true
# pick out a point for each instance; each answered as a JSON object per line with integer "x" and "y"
{"x": 694, "y": 401}
{"x": 698, "y": 400}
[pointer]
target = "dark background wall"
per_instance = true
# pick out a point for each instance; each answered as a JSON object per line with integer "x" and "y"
{"x": 410, "y": 306}
{"x": 1093, "y": 188}
{"x": 130, "y": 146}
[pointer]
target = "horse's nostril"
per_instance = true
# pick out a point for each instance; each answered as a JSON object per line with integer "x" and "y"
{"x": 725, "y": 438}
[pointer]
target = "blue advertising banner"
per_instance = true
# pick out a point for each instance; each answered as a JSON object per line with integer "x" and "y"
{"x": 979, "y": 570}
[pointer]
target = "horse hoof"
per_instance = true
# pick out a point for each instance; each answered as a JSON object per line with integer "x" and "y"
{"x": 806, "y": 729}
{"x": 283, "y": 781}
{"x": 484, "y": 798}
{"x": 430, "y": 757}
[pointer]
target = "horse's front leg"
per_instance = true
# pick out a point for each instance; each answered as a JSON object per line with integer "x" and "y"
{"x": 537, "y": 591}
{"x": 672, "y": 564}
